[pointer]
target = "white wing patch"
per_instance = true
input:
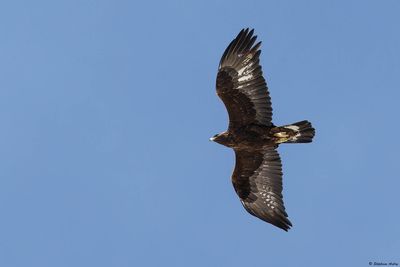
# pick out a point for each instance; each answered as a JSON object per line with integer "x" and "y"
{"x": 245, "y": 77}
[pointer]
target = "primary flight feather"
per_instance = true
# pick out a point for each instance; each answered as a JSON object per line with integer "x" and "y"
{"x": 257, "y": 177}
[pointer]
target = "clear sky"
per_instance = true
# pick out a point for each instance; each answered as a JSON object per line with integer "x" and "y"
{"x": 106, "y": 108}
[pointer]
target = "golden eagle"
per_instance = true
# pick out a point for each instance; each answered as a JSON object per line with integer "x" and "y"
{"x": 257, "y": 177}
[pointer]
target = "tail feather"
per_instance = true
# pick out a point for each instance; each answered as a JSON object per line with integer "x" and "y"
{"x": 299, "y": 132}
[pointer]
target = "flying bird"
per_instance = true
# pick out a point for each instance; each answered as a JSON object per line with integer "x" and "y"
{"x": 257, "y": 177}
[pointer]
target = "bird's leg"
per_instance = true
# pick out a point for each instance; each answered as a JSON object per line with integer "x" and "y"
{"x": 282, "y": 134}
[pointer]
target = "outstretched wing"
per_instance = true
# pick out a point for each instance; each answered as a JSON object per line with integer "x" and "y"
{"x": 257, "y": 180}
{"x": 240, "y": 83}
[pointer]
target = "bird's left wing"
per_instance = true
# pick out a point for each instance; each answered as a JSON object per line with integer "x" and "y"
{"x": 257, "y": 180}
{"x": 241, "y": 85}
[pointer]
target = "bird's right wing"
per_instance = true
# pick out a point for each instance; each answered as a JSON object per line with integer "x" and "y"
{"x": 257, "y": 180}
{"x": 241, "y": 85}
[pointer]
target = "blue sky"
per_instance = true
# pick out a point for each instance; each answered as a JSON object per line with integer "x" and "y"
{"x": 106, "y": 108}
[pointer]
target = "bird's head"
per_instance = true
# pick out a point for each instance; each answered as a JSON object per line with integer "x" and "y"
{"x": 222, "y": 138}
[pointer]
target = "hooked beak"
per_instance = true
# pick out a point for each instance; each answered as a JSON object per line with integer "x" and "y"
{"x": 212, "y": 139}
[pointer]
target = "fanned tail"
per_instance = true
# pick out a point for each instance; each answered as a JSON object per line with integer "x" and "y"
{"x": 299, "y": 132}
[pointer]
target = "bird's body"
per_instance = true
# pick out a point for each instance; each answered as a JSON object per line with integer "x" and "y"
{"x": 255, "y": 137}
{"x": 250, "y": 137}
{"x": 257, "y": 177}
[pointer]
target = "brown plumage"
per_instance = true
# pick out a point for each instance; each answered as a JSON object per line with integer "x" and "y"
{"x": 257, "y": 177}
